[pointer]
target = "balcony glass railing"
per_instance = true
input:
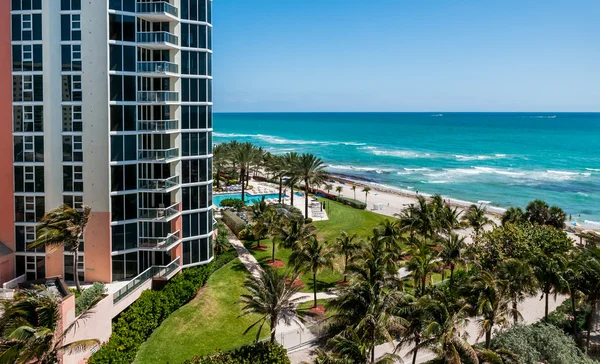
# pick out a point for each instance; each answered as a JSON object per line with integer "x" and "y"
{"x": 158, "y": 154}
{"x": 157, "y": 37}
{"x": 158, "y": 96}
{"x": 158, "y": 7}
{"x": 160, "y": 242}
{"x": 159, "y": 213}
{"x": 157, "y": 67}
{"x": 145, "y": 276}
{"x": 157, "y": 125}
{"x": 158, "y": 184}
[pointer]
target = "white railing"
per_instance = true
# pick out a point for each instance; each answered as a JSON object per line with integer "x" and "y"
{"x": 14, "y": 283}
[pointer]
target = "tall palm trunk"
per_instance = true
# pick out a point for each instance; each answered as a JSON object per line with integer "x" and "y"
{"x": 373, "y": 345}
{"x": 574, "y": 313}
{"x": 306, "y": 199}
{"x": 451, "y": 276}
{"x": 315, "y": 287}
{"x": 546, "y": 308}
{"x": 242, "y": 175}
{"x": 280, "y": 187}
{"x": 423, "y": 284}
{"x": 417, "y": 342}
{"x": 273, "y": 326}
{"x": 345, "y": 266}
{"x": 292, "y": 194}
{"x": 217, "y": 173}
{"x": 75, "y": 275}
{"x": 488, "y": 337}
{"x": 515, "y": 313}
{"x": 248, "y": 177}
{"x": 589, "y": 327}
{"x": 273, "y": 254}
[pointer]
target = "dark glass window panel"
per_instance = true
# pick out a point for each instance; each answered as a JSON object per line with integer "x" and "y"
{"x": 131, "y": 236}
{"x": 194, "y": 89}
{"x": 203, "y": 249}
{"x": 184, "y": 5}
{"x": 118, "y": 237}
{"x": 203, "y": 197}
{"x": 194, "y": 144}
{"x": 118, "y": 267}
{"x": 37, "y": 26}
{"x": 185, "y": 117}
{"x": 117, "y": 208}
{"x": 75, "y": 4}
{"x": 202, "y": 63}
{"x": 114, "y": 4}
{"x": 186, "y": 252}
{"x": 18, "y": 148}
{"x": 185, "y": 88}
{"x": 115, "y": 27}
{"x": 209, "y": 64}
{"x": 16, "y": 5}
{"x": 16, "y": 27}
{"x": 116, "y": 88}
{"x": 65, "y": 27}
{"x": 210, "y": 117}
{"x": 37, "y": 57}
{"x": 193, "y": 117}
{"x": 129, "y": 64}
{"x": 40, "y": 208}
{"x": 130, "y": 147}
{"x": 116, "y": 57}
{"x": 195, "y": 251}
{"x": 65, "y": 4}
{"x": 38, "y": 118}
{"x": 129, "y": 28}
{"x": 202, "y": 90}
{"x": 38, "y": 88}
{"x": 194, "y": 226}
{"x": 129, "y": 89}
{"x": 202, "y": 117}
{"x": 185, "y": 144}
{"x": 186, "y": 171}
{"x": 202, "y": 143}
{"x": 193, "y": 63}
{"x": 39, "y": 148}
{"x": 185, "y": 35}
{"x": 202, "y": 37}
{"x": 202, "y": 10}
{"x": 129, "y": 118}
{"x": 67, "y": 178}
{"x": 129, "y": 5}
{"x": 186, "y": 225}
{"x": 17, "y": 60}
{"x": 131, "y": 177}
{"x": 194, "y": 10}
{"x": 209, "y": 90}
{"x": 116, "y": 178}
{"x": 116, "y": 148}
{"x": 209, "y": 11}
{"x": 194, "y": 198}
{"x": 186, "y": 198}
{"x": 19, "y": 182}
{"x": 185, "y": 62}
{"x": 116, "y": 118}
{"x": 130, "y": 206}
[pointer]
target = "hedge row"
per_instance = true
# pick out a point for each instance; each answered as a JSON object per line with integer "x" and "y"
{"x": 235, "y": 223}
{"x": 137, "y": 322}
{"x": 88, "y": 297}
{"x": 352, "y": 202}
{"x": 258, "y": 353}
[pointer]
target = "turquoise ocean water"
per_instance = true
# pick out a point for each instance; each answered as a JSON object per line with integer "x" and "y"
{"x": 507, "y": 159}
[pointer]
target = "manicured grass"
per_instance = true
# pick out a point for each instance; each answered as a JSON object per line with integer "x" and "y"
{"x": 348, "y": 219}
{"x": 307, "y": 305}
{"x": 209, "y": 322}
{"x": 341, "y": 218}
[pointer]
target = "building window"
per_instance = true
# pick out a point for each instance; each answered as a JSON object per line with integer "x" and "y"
{"x": 124, "y": 207}
{"x": 73, "y": 178}
{"x": 198, "y": 223}
{"x": 28, "y": 88}
{"x": 28, "y": 148}
{"x": 196, "y": 197}
{"x": 26, "y": 5}
{"x": 68, "y": 267}
{"x": 70, "y": 5}
{"x": 123, "y": 178}
{"x": 29, "y": 208}
{"x": 72, "y": 118}
{"x": 28, "y": 118}
{"x": 124, "y": 266}
{"x": 72, "y": 148}
{"x": 124, "y": 237}
{"x": 74, "y": 201}
{"x": 196, "y": 251}
{"x": 196, "y": 170}
{"x": 71, "y": 57}
{"x": 33, "y": 267}
{"x": 71, "y": 88}
{"x": 29, "y": 178}
{"x": 27, "y": 57}
{"x": 26, "y": 27}
{"x": 25, "y": 235}
{"x": 70, "y": 27}
{"x": 123, "y": 148}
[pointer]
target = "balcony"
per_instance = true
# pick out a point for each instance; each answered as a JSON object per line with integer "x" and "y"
{"x": 155, "y": 97}
{"x": 158, "y": 154}
{"x": 160, "y": 213}
{"x": 165, "y": 185}
{"x": 158, "y": 11}
{"x": 152, "y": 243}
{"x": 159, "y": 69}
{"x": 158, "y": 126}
{"x": 157, "y": 40}
{"x": 140, "y": 282}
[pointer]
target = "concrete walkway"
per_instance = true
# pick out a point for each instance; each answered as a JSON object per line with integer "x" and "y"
{"x": 245, "y": 256}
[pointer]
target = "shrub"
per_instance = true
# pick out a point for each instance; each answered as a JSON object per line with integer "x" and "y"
{"x": 235, "y": 223}
{"x": 136, "y": 323}
{"x": 351, "y": 202}
{"x": 232, "y": 182}
{"x": 563, "y": 319}
{"x": 540, "y": 343}
{"x": 308, "y": 220}
{"x": 232, "y": 202}
{"x": 88, "y": 297}
{"x": 258, "y": 353}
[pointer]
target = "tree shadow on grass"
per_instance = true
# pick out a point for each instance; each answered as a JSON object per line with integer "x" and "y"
{"x": 238, "y": 266}
{"x": 322, "y": 286}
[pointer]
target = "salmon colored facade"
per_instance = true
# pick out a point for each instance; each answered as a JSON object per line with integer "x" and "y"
{"x": 97, "y": 248}
{"x": 7, "y": 227}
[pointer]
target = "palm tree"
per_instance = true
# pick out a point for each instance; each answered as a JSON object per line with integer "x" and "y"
{"x": 292, "y": 233}
{"x": 339, "y": 189}
{"x": 521, "y": 282}
{"x": 291, "y": 171}
{"x": 311, "y": 170}
{"x": 422, "y": 262}
{"x": 476, "y": 218}
{"x": 270, "y": 296}
{"x": 591, "y": 283}
{"x": 350, "y": 347}
{"x": 347, "y": 245}
{"x": 277, "y": 166}
{"x": 312, "y": 256}
{"x": 353, "y": 188}
{"x": 221, "y": 243}
{"x": 328, "y": 188}
{"x": 442, "y": 332}
{"x": 512, "y": 215}
{"x": 548, "y": 270}
{"x": 366, "y": 190}
{"x": 63, "y": 227}
{"x": 413, "y": 313}
{"x": 491, "y": 303}
{"x": 244, "y": 155}
{"x": 221, "y": 155}
{"x": 452, "y": 254}
{"x": 31, "y": 330}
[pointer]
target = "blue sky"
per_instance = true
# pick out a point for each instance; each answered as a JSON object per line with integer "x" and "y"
{"x": 406, "y": 55}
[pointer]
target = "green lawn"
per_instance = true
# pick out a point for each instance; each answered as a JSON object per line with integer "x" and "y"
{"x": 207, "y": 323}
{"x": 341, "y": 218}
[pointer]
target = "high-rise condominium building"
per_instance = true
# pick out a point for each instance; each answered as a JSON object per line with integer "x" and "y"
{"x": 106, "y": 103}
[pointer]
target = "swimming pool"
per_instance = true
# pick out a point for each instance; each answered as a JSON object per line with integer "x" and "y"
{"x": 249, "y": 199}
